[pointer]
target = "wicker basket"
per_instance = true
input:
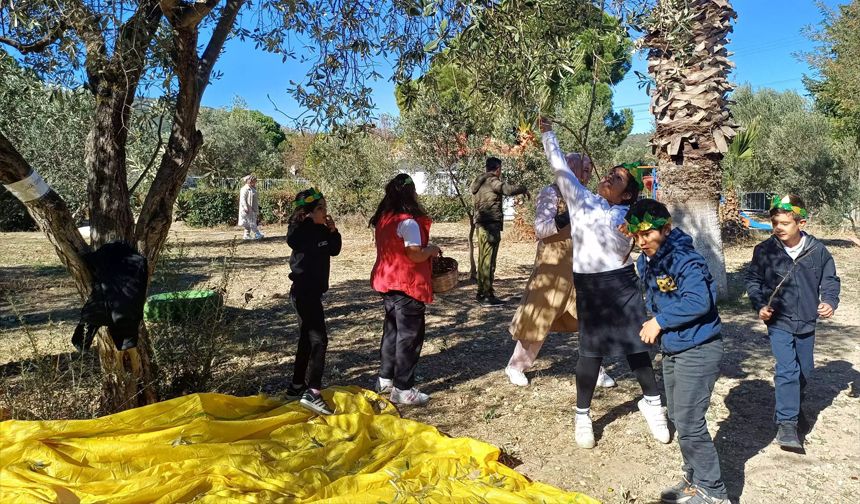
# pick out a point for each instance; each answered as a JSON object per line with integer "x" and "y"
{"x": 444, "y": 282}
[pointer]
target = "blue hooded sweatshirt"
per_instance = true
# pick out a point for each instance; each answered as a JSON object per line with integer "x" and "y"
{"x": 681, "y": 293}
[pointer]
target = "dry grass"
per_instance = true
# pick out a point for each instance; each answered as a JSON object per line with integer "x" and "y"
{"x": 467, "y": 348}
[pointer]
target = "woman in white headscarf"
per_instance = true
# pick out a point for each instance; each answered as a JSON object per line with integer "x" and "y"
{"x": 549, "y": 301}
{"x": 249, "y": 208}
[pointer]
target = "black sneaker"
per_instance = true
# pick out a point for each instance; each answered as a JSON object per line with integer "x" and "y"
{"x": 295, "y": 391}
{"x": 315, "y": 403}
{"x": 491, "y": 301}
{"x": 683, "y": 491}
{"x": 787, "y": 439}
{"x": 803, "y": 426}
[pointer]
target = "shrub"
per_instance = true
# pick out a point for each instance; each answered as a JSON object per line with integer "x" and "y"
{"x": 444, "y": 208}
{"x": 277, "y": 205}
{"x": 206, "y": 207}
{"x": 210, "y": 207}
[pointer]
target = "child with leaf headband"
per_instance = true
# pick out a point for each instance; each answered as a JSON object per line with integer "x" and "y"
{"x": 609, "y": 305}
{"x": 791, "y": 283}
{"x": 682, "y": 295}
{"x": 314, "y": 239}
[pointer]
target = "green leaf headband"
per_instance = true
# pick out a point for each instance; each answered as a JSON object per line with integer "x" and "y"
{"x": 307, "y": 200}
{"x": 637, "y": 170}
{"x": 785, "y": 204}
{"x": 648, "y": 221}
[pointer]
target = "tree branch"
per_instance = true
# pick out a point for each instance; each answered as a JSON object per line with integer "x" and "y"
{"x": 186, "y": 15}
{"x": 38, "y": 45}
{"x": 216, "y": 42}
{"x": 52, "y": 215}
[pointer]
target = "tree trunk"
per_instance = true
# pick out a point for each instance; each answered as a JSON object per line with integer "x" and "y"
{"x": 128, "y": 375}
{"x": 473, "y": 270}
{"x": 690, "y": 191}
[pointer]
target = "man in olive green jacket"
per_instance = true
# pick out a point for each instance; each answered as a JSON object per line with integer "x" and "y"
{"x": 487, "y": 193}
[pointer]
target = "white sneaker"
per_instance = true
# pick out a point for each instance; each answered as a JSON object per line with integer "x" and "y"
{"x": 384, "y": 385}
{"x": 656, "y": 418}
{"x": 412, "y": 397}
{"x": 246, "y": 237}
{"x": 583, "y": 430}
{"x": 517, "y": 377}
{"x": 604, "y": 380}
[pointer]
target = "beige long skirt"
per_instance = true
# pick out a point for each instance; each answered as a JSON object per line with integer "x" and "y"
{"x": 549, "y": 301}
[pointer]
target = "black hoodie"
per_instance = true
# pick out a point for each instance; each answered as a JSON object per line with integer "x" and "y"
{"x": 313, "y": 247}
{"x": 812, "y": 280}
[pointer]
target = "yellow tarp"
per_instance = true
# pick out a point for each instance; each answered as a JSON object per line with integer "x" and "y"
{"x": 219, "y": 448}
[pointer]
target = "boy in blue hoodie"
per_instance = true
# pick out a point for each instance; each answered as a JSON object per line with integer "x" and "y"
{"x": 682, "y": 296}
{"x": 791, "y": 282}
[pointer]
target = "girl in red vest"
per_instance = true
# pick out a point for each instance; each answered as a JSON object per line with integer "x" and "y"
{"x": 402, "y": 275}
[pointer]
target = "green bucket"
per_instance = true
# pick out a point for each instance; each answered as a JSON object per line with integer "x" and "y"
{"x": 181, "y": 306}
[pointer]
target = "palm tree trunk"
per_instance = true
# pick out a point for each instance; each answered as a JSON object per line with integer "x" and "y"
{"x": 688, "y": 59}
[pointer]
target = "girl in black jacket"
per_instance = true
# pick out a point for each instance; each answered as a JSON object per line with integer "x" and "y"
{"x": 314, "y": 239}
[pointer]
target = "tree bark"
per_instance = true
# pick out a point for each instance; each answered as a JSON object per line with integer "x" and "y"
{"x": 691, "y": 192}
{"x": 128, "y": 376}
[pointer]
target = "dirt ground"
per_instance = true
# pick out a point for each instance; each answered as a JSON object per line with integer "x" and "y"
{"x": 467, "y": 348}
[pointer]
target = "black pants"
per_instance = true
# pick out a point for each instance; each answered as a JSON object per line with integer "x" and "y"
{"x": 313, "y": 341}
{"x": 588, "y": 369}
{"x": 689, "y": 377}
{"x": 402, "y": 338}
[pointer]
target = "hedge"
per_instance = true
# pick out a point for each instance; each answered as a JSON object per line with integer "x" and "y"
{"x": 445, "y": 208}
{"x": 206, "y": 207}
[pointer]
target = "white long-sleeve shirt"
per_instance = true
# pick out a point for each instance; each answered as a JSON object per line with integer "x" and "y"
{"x": 546, "y": 208}
{"x": 598, "y": 245}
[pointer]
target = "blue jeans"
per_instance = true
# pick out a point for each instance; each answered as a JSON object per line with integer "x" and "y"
{"x": 689, "y": 378}
{"x": 794, "y": 364}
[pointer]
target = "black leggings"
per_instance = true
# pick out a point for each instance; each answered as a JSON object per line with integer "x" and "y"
{"x": 313, "y": 341}
{"x": 587, "y": 369}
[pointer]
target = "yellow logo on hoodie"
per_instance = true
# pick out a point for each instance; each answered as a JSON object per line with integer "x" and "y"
{"x": 666, "y": 283}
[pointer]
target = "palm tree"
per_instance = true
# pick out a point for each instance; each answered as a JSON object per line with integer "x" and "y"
{"x": 689, "y": 64}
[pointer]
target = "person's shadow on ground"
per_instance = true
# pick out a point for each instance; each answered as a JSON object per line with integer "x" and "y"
{"x": 750, "y": 426}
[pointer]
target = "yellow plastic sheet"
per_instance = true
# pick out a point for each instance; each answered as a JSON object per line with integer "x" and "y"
{"x": 219, "y": 448}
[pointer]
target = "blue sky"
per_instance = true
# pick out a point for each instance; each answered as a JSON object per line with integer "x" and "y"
{"x": 767, "y": 36}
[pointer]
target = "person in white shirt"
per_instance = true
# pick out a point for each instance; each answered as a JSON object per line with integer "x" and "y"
{"x": 609, "y": 305}
{"x": 549, "y": 301}
{"x": 249, "y": 208}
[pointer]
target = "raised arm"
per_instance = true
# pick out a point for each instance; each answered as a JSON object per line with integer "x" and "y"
{"x": 571, "y": 188}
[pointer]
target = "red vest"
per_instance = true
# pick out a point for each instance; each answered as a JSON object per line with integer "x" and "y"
{"x": 394, "y": 271}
